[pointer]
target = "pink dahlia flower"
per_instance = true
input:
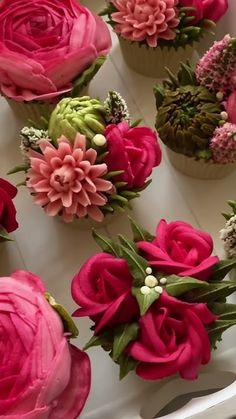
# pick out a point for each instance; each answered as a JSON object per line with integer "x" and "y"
{"x": 145, "y": 20}
{"x": 67, "y": 181}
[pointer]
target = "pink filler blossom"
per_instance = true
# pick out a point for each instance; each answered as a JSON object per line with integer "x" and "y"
{"x": 67, "y": 181}
{"x": 145, "y": 20}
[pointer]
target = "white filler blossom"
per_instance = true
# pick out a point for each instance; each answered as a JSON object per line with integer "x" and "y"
{"x": 228, "y": 236}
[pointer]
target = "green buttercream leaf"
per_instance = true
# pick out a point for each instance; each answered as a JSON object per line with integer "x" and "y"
{"x": 217, "y": 329}
{"x": 145, "y": 301}
{"x": 222, "y": 268}
{"x": 124, "y": 334}
{"x": 106, "y": 244}
{"x": 225, "y": 311}
{"x": 213, "y": 292}
{"x": 4, "y": 236}
{"x": 180, "y": 285}
{"x": 136, "y": 263}
{"x": 87, "y": 75}
{"x": 20, "y": 168}
{"x": 127, "y": 364}
{"x": 128, "y": 243}
{"x": 139, "y": 234}
{"x": 103, "y": 339}
{"x": 69, "y": 325}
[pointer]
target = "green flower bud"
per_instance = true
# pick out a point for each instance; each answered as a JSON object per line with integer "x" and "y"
{"x": 84, "y": 115}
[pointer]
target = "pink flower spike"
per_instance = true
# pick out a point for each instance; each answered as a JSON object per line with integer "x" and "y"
{"x": 66, "y": 181}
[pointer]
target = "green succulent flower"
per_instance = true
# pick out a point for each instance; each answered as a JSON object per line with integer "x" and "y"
{"x": 187, "y": 114}
{"x": 83, "y": 114}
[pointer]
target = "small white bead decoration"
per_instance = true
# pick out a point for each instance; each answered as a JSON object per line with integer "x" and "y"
{"x": 219, "y": 95}
{"x": 151, "y": 281}
{"x": 148, "y": 271}
{"x": 145, "y": 290}
{"x": 99, "y": 140}
{"x": 158, "y": 289}
{"x": 163, "y": 281}
{"x": 224, "y": 115}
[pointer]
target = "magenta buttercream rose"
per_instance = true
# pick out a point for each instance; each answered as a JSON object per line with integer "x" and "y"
{"x": 42, "y": 376}
{"x": 102, "y": 288}
{"x": 45, "y": 45}
{"x": 7, "y": 207}
{"x": 134, "y": 150}
{"x": 179, "y": 248}
{"x": 172, "y": 339}
{"x": 206, "y": 9}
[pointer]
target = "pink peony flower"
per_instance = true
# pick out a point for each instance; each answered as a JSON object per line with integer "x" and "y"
{"x": 134, "y": 150}
{"x": 45, "y": 45}
{"x": 216, "y": 70}
{"x": 230, "y": 107}
{"x": 102, "y": 288}
{"x": 180, "y": 249}
{"x": 67, "y": 181}
{"x": 145, "y": 20}
{"x": 172, "y": 339}
{"x": 223, "y": 144}
{"x": 42, "y": 376}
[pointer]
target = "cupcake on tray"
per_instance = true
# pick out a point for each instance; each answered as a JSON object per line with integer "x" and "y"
{"x": 196, "y": 117}
{"x": 43, "y": 375}
{"x": 48, "y": 50}
{"x": 158, "y": 303}
{"x": 157, "y": 33}
{"x": 89, "y": 161}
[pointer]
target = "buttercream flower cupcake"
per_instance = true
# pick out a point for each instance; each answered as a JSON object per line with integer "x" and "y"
{"x": 196, "y": 114}
{"x": 157, "y": 302}
{"x": 42, "y": 374}
{"x": 48, "y": 50}
{"x": 89, "y": 161}
{"x": 155, "y": 34}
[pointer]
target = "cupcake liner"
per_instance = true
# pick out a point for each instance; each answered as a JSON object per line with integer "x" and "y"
{"x": 151, "y": 62}
{"x": 33, "y": 110}
{"x": 199, "y": 169}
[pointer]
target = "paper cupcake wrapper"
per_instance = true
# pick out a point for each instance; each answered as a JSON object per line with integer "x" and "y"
{"x": 199, "y": 169}
{"x": 32, "y": 111}
{"x": 151, "y": 62}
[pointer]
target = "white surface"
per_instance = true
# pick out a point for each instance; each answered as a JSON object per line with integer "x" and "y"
{"x": 56, "y": 251}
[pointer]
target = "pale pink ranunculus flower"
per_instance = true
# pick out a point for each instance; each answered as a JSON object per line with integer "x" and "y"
{"x": 42, "y": 376}
{"x": 45, "y": 45}
{"x": 146, "y": 20}
{"x": 67, "y": 180}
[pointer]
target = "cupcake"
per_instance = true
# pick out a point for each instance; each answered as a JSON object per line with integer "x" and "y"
{"x": 48, "y": 50}
{"x": 157, "y": 301}
{"x": 155, "y": 34}
{"x": 43, "y": 375}
{"x": 196, "y": 117}
{"x": 89, "y": 161}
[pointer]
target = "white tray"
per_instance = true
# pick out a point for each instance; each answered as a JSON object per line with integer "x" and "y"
{"x": 55, "y": 252}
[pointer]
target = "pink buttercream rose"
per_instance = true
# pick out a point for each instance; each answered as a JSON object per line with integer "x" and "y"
{"x": 102, "y": 288}
{"x": 206, "y": 9}
{"x": 134, "y": 150}
{"x": 180, "y": 249}
{"x": 172, "y": 339}
{"x": 42, "y": 376}
{"x": 45, "y": 45}
{"x": 230, "y": 106}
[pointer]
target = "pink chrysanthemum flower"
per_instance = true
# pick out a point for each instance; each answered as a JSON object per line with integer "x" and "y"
{"x": 223, "y": 144}
{"x": 67, "y": 181}
{"x": 217, "y": 68}
{"x": 145, "y": 20}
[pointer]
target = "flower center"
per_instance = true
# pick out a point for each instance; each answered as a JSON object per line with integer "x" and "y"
{"x": 62, "y": 179}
